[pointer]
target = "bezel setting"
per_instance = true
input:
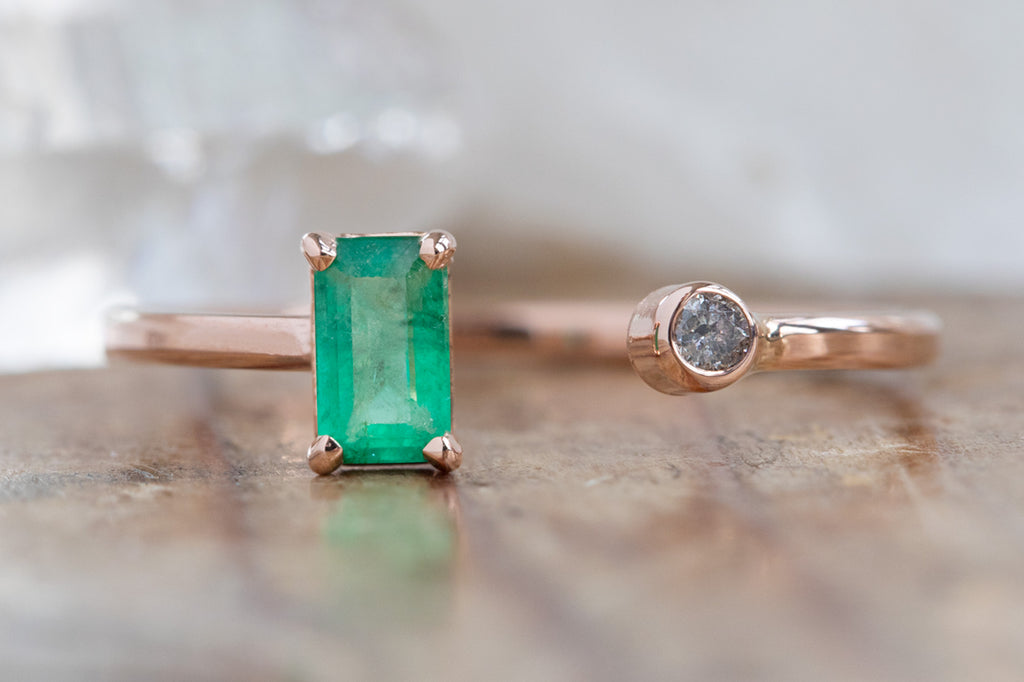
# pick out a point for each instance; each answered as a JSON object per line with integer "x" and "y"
{"x": 656, "y": 356}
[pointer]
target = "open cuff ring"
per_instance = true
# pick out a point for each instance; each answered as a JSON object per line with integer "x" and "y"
{"x": 378, "y": 341}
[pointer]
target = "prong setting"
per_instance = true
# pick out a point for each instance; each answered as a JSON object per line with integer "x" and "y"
{"x": 319, "y": 250}
{"x": 444, "y": 452}
{"x": 354, "y": 352}
{"x": 437, "y": 249}
{"x": 325, "y": 455}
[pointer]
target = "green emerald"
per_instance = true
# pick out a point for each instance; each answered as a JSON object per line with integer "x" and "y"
{"x": 383, "y": 360}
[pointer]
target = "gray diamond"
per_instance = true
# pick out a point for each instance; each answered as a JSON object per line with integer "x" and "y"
{"x": 711, "y": 333}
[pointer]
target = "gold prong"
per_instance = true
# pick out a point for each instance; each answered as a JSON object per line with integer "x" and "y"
{"x": 325, "y": 455}
{"x": 437, "y": 249}
{"x": 319, "y": 249}
{"x": 444, "y": 452}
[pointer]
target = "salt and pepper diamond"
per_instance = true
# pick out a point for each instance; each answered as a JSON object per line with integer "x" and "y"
{"x": 711, "y": 332}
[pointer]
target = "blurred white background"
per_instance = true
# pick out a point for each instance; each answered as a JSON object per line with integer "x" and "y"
{"x": 171, "y": 154}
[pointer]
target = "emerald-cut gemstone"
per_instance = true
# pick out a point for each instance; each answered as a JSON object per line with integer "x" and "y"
{"x": 383, "y": 360}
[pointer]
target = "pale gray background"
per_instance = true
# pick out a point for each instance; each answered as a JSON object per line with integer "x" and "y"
{"x": 171, "y": 153}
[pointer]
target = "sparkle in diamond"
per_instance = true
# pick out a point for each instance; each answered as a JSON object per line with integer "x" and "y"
{"x": 711, "y": 333}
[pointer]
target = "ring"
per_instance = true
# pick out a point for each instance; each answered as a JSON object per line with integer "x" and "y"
{"x": 700, "y": 337}
{"x": 378, "y": 341}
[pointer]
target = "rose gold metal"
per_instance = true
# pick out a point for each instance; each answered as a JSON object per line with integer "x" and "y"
{"x": 437, "y": 249}
{"x": 871, "y": 341}
{"x": 651, "y": 350}
{"x": 325, "y": 455}
{"x": 320, "y": 250}
{"x": 569, "y": 330}
{"x": 580, "y": 331}
{"x": 561, "y": 329}
{"x": 589, "y": 330}
{"x": 233, "y": 341}
{"x": 444, "y": 452}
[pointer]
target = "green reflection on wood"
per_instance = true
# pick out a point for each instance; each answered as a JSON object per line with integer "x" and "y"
{"x": 392, "y": 540}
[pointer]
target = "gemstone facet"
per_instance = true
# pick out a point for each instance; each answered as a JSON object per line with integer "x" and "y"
{"x": 382, "y": 350}
{"x": 711, "y": 332}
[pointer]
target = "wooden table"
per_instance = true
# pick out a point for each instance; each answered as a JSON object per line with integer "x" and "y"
{"x": 161, "y": 523}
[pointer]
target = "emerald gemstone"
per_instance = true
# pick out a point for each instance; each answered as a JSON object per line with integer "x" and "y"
{"x": 383, "y": 360}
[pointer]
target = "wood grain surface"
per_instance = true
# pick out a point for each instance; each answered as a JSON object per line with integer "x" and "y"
{"x": 160, "y": 523}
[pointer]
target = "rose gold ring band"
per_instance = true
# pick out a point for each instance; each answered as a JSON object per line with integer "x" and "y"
{"x": 593, "y": 331}
{"x": 577, "y": 330}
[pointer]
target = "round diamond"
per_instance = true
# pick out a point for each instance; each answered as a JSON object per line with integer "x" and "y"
{"x": 711, "y": 332}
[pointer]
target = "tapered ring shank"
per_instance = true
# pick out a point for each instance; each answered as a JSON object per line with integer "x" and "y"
{"x": 869, "y": 341}
{"x": 231, "y": 341}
